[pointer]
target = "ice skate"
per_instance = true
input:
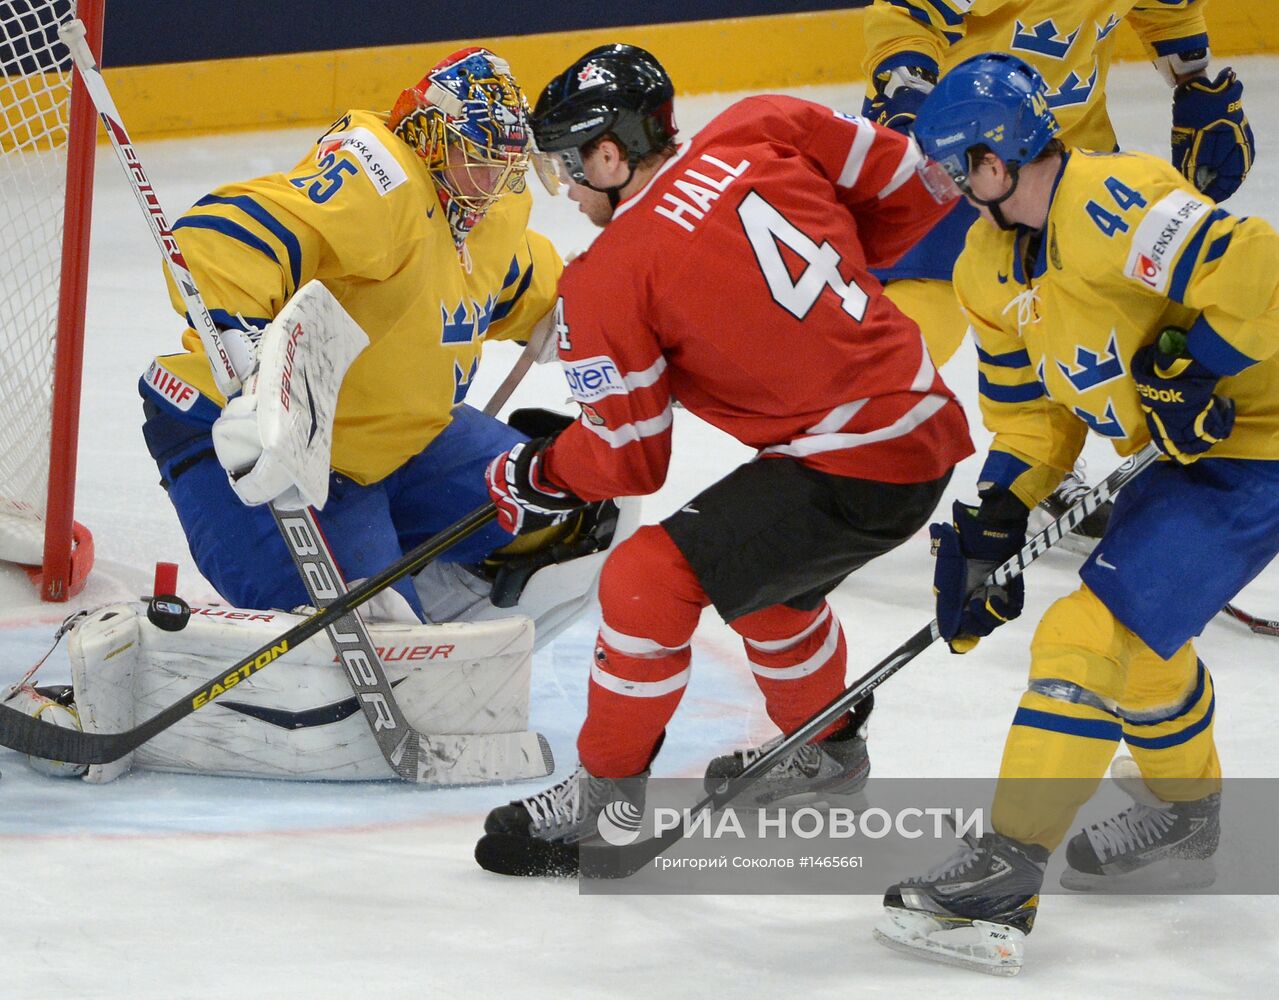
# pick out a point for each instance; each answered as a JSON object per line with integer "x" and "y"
{"x": 1088, "y": 533}
{"x": 974, "y": 910}
{"x": 539, "y": 835}
{"x": 1150, "y": 846}
{"x": 834, "y": 767}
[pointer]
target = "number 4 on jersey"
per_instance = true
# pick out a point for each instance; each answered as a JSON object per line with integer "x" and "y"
{"x": 766, "y": 228}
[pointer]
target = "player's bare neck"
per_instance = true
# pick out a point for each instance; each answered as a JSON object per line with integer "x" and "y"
{"x": 1029, "y": 205}
{"x": 645, "y": 170}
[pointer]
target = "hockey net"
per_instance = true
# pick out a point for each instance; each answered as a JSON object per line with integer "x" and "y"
{"x": 46, "y": 185}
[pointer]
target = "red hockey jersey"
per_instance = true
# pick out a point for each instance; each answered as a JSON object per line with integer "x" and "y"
{"x": 737, "y": 282}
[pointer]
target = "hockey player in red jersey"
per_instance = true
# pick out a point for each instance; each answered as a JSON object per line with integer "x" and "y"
{"x": 732, "y": 275}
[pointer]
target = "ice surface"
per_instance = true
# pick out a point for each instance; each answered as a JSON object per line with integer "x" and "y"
{"x": 160, "y": 887}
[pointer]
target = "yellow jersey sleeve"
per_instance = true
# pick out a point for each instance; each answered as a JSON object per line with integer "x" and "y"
{"x": 1223, "y": 268}
{"x": 892, "y": 27}
{"x": 529, "y": 290}
{"x": 1036, "y": 440}
{"x": 1168, "y": 26}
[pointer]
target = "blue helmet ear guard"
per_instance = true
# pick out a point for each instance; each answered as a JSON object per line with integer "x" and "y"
{"x": 994, "y": 100}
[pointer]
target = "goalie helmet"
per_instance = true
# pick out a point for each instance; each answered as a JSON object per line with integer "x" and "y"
{"x": 468, "y": 119}
{"x": 994, "y": 100}
{"x": 615, "y": 90}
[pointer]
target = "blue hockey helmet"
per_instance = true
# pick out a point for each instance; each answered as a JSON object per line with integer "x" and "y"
{"x": 994, "y": 100}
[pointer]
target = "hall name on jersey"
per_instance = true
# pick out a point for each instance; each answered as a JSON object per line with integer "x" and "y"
{"x": 700, "y": 191}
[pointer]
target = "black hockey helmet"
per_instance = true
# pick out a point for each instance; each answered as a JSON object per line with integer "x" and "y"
{"x": 615, "y": 90}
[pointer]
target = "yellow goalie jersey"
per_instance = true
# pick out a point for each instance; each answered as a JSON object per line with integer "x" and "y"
{"x": 1129, "y": 248}
{"x": 1070, "y": 42}
{"x": 360, "y": 213}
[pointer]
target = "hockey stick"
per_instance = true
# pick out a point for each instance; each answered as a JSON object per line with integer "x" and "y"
{"x": 1262, "y": 626}
{"x": 21, "y": 732}
{"x": 407, "y": 752}
{"x": 619, "y": 862}
{"x": 228, "y": 356}
{"x": 536, "y": 342}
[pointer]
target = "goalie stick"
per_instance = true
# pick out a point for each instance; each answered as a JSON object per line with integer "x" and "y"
{"x": 21, "y": 732}
{"x": 528, "y": 357}
{"x": 620, "y": 862}
{"x": 409, "y": 754}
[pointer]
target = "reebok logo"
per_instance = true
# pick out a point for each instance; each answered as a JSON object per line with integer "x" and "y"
{"x": 1160, "y": 395}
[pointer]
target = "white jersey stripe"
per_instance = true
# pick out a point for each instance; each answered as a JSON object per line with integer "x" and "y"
{"x": 777, "y": 645}
{"x": 633, "y": 645}
{"x": 927, "y": 373}
{"x": 643, "y": 379}
{"x": 838, "y": 417}
{"x": 638, "y": 689}
{"x": 903, "y": 425}
{"x": 811, "y": 665}
{"x": 909, "y": 164}
{"x": 619, "y": 437}
{"x": 862, "y": 142}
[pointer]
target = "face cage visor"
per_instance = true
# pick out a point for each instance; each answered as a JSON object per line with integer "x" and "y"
{"x": 945, "y": 180}
{"x": 570, "y": 166}
{"x": 474, "y": 175}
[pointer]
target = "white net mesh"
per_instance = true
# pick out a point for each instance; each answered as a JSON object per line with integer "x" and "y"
{"x": 35, "y": 91}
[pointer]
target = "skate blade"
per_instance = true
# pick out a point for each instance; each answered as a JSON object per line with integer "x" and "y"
{"x": 981, "y": 946}
{"x": 524, "y": 857}
{"x": 1166, "y": 875}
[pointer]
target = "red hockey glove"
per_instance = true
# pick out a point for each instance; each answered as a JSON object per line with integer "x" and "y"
{"x": 526, "y": 500}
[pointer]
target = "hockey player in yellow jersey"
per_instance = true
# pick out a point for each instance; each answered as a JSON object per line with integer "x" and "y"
{"x": 416, "y": 221}
{"x": 1071, "y": 44}
{"x": 1106, "y": 294}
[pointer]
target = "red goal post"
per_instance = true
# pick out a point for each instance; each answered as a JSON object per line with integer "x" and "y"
{"x": 47, "y": 135}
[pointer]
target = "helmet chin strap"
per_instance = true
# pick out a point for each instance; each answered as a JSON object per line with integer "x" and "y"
{"x": 993, "y": 204}
{"x": 614, "y": 194}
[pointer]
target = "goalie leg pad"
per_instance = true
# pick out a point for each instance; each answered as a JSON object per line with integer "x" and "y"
{"x": 469, "y": 683}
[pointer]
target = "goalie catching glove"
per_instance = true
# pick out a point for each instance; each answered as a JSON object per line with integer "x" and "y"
{"x": 526, "y": 500}
{"x": 255, "y": 477}
{"x": 979, "y": 540}
{"x": 1184, "y": 416}
{"x": 1212, "y": 143}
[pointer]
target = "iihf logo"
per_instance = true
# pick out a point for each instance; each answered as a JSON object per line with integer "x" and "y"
{"x": 619, "y": 823}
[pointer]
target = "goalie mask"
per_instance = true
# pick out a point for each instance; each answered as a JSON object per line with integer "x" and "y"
{"x": 469, "y": 121}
